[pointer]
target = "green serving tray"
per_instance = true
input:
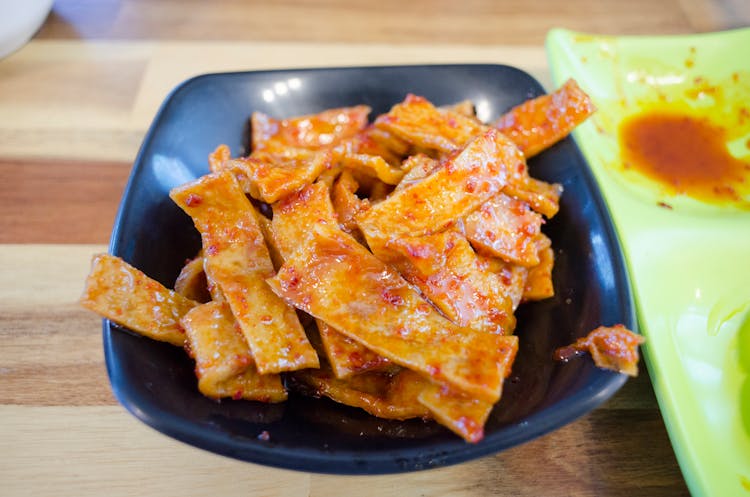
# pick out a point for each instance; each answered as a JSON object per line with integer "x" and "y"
{"x": 689, "y": 261}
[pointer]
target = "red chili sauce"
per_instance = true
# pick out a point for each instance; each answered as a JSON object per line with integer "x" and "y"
{"x": 686, "y": 153}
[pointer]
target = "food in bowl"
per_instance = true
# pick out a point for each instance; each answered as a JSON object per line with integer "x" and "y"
{"x": 407, "y": 244}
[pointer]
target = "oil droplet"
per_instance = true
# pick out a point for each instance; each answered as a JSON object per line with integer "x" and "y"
{"x": 686, "y": 154}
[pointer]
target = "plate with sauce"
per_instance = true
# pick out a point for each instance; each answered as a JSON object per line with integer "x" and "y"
{"x": 670, "y": 149}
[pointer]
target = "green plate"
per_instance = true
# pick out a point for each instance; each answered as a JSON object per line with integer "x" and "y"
{"x": 689, "y": 261}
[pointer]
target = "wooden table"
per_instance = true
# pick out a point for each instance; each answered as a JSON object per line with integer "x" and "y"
{"x": 74, "y": 106}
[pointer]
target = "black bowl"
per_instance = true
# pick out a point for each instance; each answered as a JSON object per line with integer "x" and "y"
{"x": 155, "y": 381}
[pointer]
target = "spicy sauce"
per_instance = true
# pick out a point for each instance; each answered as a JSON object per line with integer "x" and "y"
{"x": 688, "y": 154}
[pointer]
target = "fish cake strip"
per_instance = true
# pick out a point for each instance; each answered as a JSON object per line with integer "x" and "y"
{"x": 238, "y": 261}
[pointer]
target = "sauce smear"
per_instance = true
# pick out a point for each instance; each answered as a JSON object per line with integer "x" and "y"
{"x": 687, "y": 154}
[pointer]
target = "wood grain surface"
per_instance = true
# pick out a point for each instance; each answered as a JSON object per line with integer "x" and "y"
{"x": 485, "y": 22}
{"x": 74, "y": 106}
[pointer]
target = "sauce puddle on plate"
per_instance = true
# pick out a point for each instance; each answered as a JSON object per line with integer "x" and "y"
{"x": 687, "y": 154}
